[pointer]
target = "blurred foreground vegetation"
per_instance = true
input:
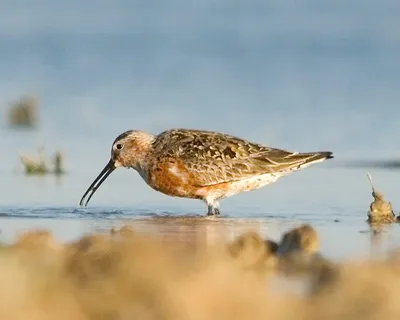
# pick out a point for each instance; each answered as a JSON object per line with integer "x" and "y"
{"x": 125, "y": 275}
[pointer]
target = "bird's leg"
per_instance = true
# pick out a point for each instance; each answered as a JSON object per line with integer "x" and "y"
{"x": 216, "y": 208}
{"x": 213, "y": 208}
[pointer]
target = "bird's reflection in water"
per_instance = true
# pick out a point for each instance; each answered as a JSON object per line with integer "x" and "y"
{"x": 197, "y": 229}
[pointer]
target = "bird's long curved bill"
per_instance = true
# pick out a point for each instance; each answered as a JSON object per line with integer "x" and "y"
{"x": 108, "y": 169}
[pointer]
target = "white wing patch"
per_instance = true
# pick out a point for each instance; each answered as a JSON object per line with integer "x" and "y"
{"x": 175, "y": 171}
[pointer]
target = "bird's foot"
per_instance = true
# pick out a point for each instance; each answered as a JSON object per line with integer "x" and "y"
{"x": 213, "y": 211}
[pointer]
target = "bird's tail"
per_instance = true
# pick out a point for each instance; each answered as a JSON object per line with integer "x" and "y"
{"x": 282, "y": 161}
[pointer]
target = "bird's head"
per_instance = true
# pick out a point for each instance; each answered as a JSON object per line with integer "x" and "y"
{"x": 128, "y": 150}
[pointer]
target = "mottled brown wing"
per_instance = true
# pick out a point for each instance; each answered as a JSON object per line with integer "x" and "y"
{"x": 215, "y": 158}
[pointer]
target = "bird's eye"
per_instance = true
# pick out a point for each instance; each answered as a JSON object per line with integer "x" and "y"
{"x": 119, "y": 146}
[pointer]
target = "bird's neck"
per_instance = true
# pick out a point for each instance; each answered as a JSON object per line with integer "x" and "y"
{"x": 143, "y": 171}
{"x": 143, "y": 155}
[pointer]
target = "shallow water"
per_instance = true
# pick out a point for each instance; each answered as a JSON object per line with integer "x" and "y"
{"x": 303, "y": 77}
{"x": 271, "y": 211}
{"x": 347, "y": 237}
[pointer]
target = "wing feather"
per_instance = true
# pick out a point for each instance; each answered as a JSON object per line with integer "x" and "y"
{"x": 213, "y": 158}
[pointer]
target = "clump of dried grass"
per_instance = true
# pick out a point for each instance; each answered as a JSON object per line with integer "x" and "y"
{"x": 124, "y": 275}
{"x": 380, "y": 211}
{"x": 24, "y": 112}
